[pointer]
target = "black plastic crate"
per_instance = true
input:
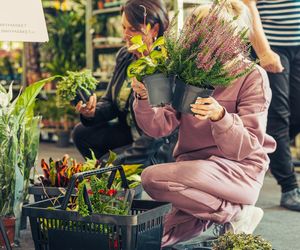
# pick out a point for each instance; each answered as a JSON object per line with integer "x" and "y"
{"x": 42, "y": 193}
{"x": 60, "y": 229}
{"x": 66, "y": 230}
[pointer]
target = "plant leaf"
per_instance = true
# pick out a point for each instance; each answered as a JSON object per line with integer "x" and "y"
{"x": 137, "y": 39}
{"x": 112, "y": 157}
{"x": 148, "y": 28}
{"x": 25, "y": 101}
{"x": 159, "y": 42}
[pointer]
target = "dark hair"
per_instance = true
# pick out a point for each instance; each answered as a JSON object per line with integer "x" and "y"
{"x": 156, "y": 13}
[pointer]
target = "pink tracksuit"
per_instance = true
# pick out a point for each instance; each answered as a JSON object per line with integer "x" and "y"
{"x": 219, "y": 165}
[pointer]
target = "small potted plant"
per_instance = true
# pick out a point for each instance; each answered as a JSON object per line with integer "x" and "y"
{"x": 230, "y": 241}
{"x": 150, "y": 68}
{"x": 208, "y": 53}
{"x": 104, "y": 200}
{"x": 75, "y": 87}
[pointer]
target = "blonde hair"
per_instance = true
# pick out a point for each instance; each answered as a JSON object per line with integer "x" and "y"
{"x": 231, "y": 9}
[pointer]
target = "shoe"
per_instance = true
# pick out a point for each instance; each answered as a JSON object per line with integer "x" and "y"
{"x": 246, "y": 221}
{"x": 291, "y": 199}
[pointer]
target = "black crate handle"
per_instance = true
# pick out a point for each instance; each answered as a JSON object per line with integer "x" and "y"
{"x": 81, "y": 176}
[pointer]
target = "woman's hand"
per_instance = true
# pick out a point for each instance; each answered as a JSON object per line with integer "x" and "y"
{"x": 208, "y": 108}
{"x": 139, "y": 88}
{"x": 88, "y": 109}
{"x": 270, "y": 61}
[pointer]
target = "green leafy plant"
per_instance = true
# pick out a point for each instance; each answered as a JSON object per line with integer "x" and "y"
{"x": 58, "y": 173}
{"x": 103, "y": 200}
{"x": 113, "y": 200}
{"x": 60, "y": 118}
{"x": 68, "y": 86}
{"x": 19, "y": 140}
{"x": 66, "y": 47}
{"x": 153, "y": 58}
{"x": 230, "y": 241}
{"x": 208, "y": 51}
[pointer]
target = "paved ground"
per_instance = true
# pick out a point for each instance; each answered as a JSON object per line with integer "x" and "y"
{"x": 280, "y": 226}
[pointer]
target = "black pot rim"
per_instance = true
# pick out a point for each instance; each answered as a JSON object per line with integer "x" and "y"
{"x": 205, "y": 86}
{"x": 155, "y": 75}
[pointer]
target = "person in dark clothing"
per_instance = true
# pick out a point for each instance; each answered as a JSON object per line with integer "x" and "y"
{"x": 99, "y": 131}
{"x": 276, "y": 42}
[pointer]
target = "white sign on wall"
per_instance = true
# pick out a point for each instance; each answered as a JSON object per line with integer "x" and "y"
{"x": 22, "y": 20}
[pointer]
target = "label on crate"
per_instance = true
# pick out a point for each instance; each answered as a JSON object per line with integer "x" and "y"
{"x": 22, "y": 21}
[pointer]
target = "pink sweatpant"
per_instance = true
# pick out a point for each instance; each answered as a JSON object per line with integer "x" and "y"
{"x": 201, "y": 192}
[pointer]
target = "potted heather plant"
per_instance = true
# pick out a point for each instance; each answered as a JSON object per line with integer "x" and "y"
{"x": 75, "y": 87}
{"x": 242, "y": 241}
{"x": 150, "y": 68}
{"x": 208, "y": 53}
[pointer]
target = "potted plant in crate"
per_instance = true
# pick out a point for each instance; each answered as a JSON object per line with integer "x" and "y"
{"x": 150, "y": 68}
{"x": 100, "y": 218}
{"x": 209, "y": 52}
{"x": 19, "y": 136}
{"x": 57, "y": 175}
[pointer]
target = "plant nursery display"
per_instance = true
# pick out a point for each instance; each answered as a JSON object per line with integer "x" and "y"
{"x": 66, "y": 47}
{"x": 19, "y": 140}
{"x": 209, "y": 52}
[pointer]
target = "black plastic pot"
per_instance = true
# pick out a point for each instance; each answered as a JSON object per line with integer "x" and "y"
{"x": 63, "y": 139}
{"x": 160, "y": 89}
{"x": 81, "y": 95}
{"x": 185, "y": 95}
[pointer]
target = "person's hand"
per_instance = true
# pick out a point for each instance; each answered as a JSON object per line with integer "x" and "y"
{"x": 207, "y": 108}
{"x": 139, "y": 88}
{"x": 88, "y": 109}
{"x": 270, "y": 61}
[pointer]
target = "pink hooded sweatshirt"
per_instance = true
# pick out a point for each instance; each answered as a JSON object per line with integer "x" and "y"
{"x": 240, "y": 136}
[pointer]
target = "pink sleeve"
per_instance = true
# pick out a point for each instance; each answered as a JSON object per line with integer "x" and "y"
{"x": 155, "y": 122}
{"x": 242, "y": 134}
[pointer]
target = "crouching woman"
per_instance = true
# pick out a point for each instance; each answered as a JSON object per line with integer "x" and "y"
{"x": 221, "y": 155}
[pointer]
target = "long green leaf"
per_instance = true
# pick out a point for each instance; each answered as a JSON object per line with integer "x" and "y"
{"x": 24, "y": 103}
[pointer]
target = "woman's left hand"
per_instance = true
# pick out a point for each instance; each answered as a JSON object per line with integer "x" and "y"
{"x": 208, "y": 108}
{"x": 139, "y": 88}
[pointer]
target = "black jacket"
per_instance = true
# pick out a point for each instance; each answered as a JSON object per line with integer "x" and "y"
{"x": 144, "y": 149}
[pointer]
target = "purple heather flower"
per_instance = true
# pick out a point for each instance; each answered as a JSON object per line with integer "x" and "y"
{"x": 209, "y": 41}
